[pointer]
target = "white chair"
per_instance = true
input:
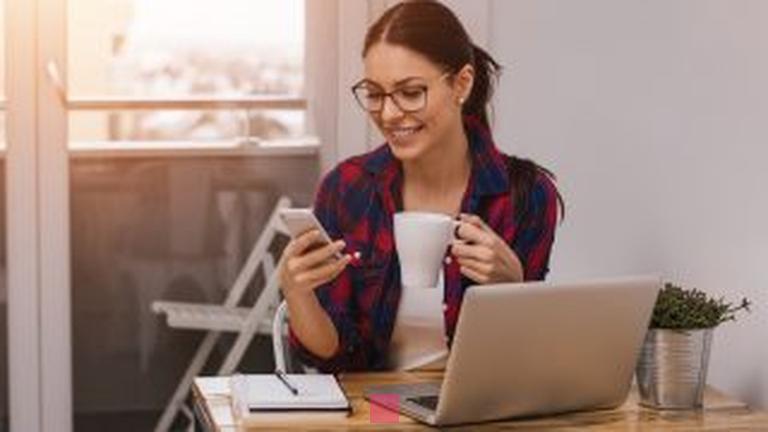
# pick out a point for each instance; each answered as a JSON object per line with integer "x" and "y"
{"x": 282, "y": 354}
{"x": 226, "y": 317}
{"x": 278, "y": 333}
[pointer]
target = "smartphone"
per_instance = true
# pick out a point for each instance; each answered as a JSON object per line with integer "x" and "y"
{"x": 300, "y": 220}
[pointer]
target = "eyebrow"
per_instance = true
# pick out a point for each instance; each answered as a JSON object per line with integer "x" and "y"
{"x": 398, "y": 83}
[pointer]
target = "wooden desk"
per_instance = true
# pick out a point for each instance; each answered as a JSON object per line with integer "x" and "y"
{"x": 720, "y": 413}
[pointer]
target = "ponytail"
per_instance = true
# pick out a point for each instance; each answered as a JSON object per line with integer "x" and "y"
{"x": 487, "y": 72}
{"x": 523, "y": 174}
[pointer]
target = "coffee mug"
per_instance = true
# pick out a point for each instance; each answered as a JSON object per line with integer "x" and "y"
{"x": 421, "y": 239}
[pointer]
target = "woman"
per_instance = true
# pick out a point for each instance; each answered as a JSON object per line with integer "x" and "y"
{"x": 427, "y": 88}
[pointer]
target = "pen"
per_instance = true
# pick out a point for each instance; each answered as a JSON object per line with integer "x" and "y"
{"x": 284, "y": 379}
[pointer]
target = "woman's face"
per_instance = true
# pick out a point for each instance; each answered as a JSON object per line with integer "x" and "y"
{"x": 429, "y": 108}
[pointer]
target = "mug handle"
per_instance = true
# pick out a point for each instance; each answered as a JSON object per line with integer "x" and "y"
{"x": 455, "y": 229}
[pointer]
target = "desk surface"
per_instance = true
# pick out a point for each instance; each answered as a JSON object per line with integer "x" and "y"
{"x": 720, "y": 413}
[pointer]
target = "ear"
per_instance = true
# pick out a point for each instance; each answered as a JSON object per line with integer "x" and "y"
{"x": 463, "y": 82}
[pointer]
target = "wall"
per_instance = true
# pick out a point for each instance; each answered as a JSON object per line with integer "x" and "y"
{"x": 653, "y": 115}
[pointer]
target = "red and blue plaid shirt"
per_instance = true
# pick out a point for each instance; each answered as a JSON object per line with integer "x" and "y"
{"x": 357, "y": 200}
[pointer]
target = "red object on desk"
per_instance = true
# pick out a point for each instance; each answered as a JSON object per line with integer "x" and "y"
{"x": 381, "y": 415}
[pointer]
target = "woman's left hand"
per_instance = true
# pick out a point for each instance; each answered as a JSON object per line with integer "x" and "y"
{"x": 482, "y": 255}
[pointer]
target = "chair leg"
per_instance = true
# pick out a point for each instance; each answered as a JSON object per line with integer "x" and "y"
{"x": 269, "y": 295}
{"x": 182, "y": 390}
{"x": 190, "y": 416}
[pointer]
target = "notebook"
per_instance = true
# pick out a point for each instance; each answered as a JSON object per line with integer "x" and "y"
{"x": 262, "y": 398}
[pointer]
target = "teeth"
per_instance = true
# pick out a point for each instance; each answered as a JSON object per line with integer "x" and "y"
{"x": 400, "y": 133}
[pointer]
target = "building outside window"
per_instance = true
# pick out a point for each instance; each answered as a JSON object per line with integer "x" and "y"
{"x": 142, "y": 55}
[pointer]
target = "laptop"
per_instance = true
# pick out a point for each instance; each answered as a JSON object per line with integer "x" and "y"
{"x": 534, "y": 349}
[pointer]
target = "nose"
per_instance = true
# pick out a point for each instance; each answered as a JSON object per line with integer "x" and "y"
{"x": 390, "y": 111}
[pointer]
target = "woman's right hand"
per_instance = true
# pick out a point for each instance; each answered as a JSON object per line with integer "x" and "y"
{"x": 303, "y": 269}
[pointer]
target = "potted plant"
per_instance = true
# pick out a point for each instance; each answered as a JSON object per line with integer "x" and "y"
{"x": 672, "y": 368}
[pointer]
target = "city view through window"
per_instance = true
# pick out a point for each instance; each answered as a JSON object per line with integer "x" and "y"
{"x": 149, "y": 50}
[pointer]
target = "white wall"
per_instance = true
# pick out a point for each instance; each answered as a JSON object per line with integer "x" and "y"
{"x": 654, "y": 115}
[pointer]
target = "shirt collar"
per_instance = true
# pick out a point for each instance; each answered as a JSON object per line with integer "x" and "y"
{"x": 489, "y": 172}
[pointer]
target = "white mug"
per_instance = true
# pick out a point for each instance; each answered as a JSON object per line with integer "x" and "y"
{"x": 421, "y": 240}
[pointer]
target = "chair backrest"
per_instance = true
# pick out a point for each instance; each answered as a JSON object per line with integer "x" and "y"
{"x": 258, "y": 253}
{"x": 283, "y": 360}
{"x": 278, "y": 330}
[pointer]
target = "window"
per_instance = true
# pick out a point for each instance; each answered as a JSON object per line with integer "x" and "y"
{"x": 114, "y": 88}
{"x": 185, "y": 71}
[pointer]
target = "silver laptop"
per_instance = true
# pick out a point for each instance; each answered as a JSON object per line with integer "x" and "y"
{"x": 534, "y": 349}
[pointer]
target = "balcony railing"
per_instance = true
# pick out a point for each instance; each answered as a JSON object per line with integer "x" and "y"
{"x": 246, "y": 103}
{"x": 249, "y": 103}
{"x": 247, "y": 145}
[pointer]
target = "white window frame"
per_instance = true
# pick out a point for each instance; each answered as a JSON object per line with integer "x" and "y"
{"x": 39, "y": 322}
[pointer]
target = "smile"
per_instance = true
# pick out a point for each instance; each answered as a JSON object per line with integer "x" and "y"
{"x": 400, "y": 133}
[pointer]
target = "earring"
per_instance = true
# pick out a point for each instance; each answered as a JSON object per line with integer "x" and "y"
{"x": 461, "y": 101}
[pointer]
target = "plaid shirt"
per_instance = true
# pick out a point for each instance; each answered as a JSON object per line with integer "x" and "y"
{"x": 357, "y": 200}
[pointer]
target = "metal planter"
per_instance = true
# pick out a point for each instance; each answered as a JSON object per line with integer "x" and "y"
{"x": 672, "y": 368}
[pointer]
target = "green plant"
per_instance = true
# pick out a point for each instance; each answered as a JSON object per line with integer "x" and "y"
{"x": 678, "y": 308}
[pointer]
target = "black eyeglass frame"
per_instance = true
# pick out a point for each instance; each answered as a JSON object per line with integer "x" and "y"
{"x": 423, "y": 87}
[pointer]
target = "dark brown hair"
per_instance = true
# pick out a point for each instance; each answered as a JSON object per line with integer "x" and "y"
{"x": 432, "y": 30}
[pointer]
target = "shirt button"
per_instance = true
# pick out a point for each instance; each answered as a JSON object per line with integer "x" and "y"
{"x": 448, "y": 260}
{"x": 357, "y": 255}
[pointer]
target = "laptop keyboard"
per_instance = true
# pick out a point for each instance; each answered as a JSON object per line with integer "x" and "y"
{"x": 429, "y": 402}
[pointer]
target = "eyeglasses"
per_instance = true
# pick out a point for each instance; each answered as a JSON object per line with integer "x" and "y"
{"x": 408, "y": 98}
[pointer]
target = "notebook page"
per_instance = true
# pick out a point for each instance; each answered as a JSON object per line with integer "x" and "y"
{"x": 315, "y": 391}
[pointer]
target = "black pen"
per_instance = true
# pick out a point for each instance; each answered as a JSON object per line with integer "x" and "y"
{"x": 284, "y": 379}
